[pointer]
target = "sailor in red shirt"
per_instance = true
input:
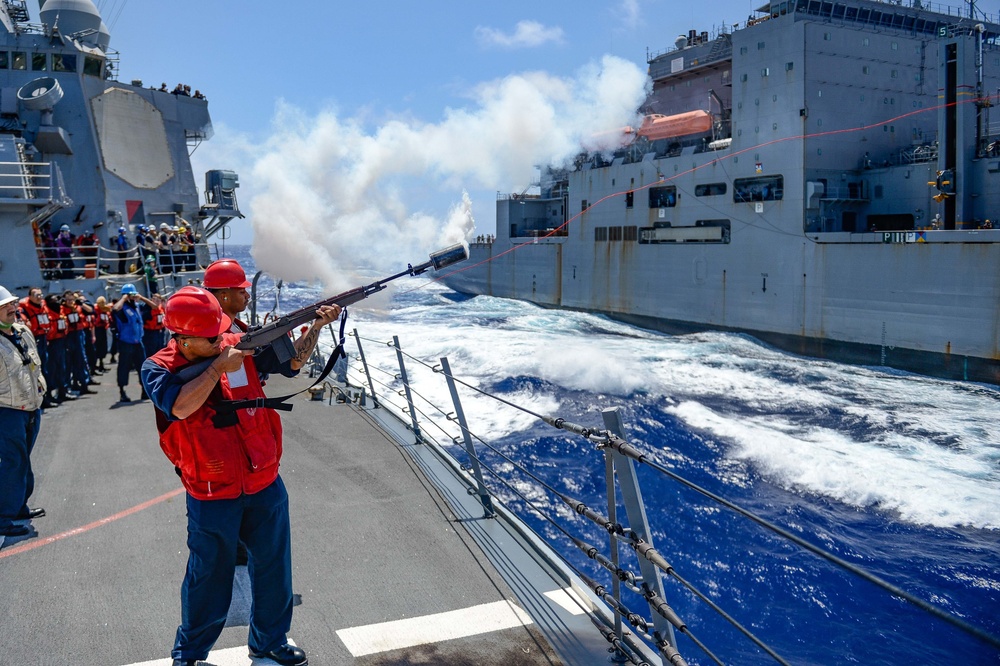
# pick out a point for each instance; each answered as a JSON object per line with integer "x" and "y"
{"x": 76, "y": 355}
{"x": 37, "y": 316}
{"x": 153, "y": 330}
{"x": 102, "y": 323}
{"x": 228, "y": 463}
{"x": 58, "y": 330}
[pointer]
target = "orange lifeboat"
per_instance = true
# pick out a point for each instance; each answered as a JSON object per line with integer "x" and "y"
{"x": 682, "y": 124}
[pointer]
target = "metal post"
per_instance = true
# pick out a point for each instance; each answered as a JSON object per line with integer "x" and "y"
{"x": 636, "y": 511}
{"x": 406, "y": 390}
{"x": 616, "y": 585}
{"x": 470, "y": 448}
{"x": 364, "y": 363}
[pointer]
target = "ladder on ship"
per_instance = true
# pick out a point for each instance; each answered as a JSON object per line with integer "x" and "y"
{"x": 17, "y": 10}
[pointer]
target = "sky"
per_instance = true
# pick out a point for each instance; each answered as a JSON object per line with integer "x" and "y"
{"x": 371, "y": 135}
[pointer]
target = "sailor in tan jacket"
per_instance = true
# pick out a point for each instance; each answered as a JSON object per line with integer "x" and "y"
{"x": 22, "y": 389}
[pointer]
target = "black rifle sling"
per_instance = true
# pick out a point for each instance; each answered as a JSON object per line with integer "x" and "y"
{"x": 225, "y": 409}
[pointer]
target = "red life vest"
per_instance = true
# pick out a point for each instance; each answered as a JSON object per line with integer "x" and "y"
{"x": 155, "y": 321}
{"x": 59, "y": 327}
{"x": 73, "y": 317}
{"x": 103, "y": 318}
{"x": 221, "y": 463}
{"x": 37, "y": 317}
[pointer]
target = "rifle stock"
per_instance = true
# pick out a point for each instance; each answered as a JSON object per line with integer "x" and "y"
{"x": 277, "y": 330}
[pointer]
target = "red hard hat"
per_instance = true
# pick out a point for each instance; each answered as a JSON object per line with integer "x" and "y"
{"x": 196, "y": 312}
{"x": 225, "y": 274}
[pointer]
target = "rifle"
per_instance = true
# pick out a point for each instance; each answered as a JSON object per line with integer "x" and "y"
{"x": 276, "y": 332}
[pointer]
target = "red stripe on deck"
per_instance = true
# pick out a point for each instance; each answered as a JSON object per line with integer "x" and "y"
{"x": 30, "y": 545}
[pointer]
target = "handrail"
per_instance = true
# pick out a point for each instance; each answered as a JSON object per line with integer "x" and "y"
{"x": 503, "y": 471}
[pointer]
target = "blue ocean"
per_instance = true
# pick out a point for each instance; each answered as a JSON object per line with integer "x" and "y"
{"x": 894, "y": 472}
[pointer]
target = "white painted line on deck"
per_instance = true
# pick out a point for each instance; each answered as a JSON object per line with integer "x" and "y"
{"x": 237, "y": 656}
{"x": 398, "y": 634}
{"x": 569, "y": 600}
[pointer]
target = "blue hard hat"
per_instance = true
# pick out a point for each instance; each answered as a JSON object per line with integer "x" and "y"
{"x": 121, "y": 230}
{"x": 129, "y": 289}
{"x": 64, "y": 227}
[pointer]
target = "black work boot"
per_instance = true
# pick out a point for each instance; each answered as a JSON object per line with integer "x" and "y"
{"x": 123, "y": 397}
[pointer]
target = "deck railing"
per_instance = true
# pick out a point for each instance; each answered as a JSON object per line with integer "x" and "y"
{"x": 384, "y": 376}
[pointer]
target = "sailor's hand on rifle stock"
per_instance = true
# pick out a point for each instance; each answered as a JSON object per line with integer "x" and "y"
{"x": 230, "y": 359}
{"x": 326, "y": 314}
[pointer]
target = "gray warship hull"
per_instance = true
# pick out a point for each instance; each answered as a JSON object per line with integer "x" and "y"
{"x": 839, "y": 206}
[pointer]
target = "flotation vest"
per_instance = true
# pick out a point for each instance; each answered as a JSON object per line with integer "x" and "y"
{"x": 37, "y": 317}
{"x": 155, "y": 321}
{"x": 221, "y": 462}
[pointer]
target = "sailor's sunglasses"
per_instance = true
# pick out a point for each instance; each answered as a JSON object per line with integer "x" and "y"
{"x": 212, "y": 340}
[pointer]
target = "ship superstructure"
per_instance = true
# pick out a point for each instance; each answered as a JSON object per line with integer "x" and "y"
{"x": 825, "y": 176}
{"x": 82, "y": 149}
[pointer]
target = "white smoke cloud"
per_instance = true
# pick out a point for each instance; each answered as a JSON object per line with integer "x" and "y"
{"x": 330, "y": 196}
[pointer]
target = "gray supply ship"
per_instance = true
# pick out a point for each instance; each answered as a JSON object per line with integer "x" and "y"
{"x": 824, "y": 176}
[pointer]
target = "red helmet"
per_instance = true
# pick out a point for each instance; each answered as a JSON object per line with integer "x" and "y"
{"x": 225, "y": 274}
{"x": 196, "y": 312}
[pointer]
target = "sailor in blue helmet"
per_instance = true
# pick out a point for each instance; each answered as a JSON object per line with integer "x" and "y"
{"x": 121, "y": 248}
{"x": 131, "y": 353}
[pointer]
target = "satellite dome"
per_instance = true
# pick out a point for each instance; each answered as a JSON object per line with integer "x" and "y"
{"x": 103, "y": 37}
{"x": 71, "y": 16}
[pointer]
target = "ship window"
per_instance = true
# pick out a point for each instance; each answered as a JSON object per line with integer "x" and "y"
{"x": 765, "y": 71}
{"x": 583, "y": 205}
{"x": 895, "y": 46}
{"x": 709, "y": 189}
{"x": 827, "y": 36}
{"x": 865, "y": 42}
{"x": 866, "y": 70}
{"x": 63, "y": 62}
{"x": 629, "y": 198}
{"x": 600, "y": 234}
{"x": 789, "y": 66}
{"x": 39, "y": 62}
{"x": 92, "y": 66}
{"x": 663, "y": 197}
{"x": 760, "y": 188}
{"x": 760, "y": 46}
{"x": 4, "y": 60}
{"x": 20, "y": 60}
{"x": 743, "y": 50}
{"x": 894, "y": 73}
{"x": 743, "y": 77}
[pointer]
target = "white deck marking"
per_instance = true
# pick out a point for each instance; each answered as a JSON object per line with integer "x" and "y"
{"x": 569, "y": 600}
{"x": 237, "y": 656}
{"x": 375, "y": 638}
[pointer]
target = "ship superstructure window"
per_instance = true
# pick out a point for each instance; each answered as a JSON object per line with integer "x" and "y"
{"x": 709, "y": 189}
{"x": 600, "y": 234}
{"x": 39, "y": 62}
{"x": 19, "y": 60}
{"x": 629, "y": 198}
{"x": 663, "y": 197}
{"x": 93, "y": 66}
{"x": 760, "y": 188}
{"x": 63, "y": 62}
{"x": 4, "y": 60}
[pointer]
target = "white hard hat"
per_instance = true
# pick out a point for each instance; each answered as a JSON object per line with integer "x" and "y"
{"x": 6, "y": 297}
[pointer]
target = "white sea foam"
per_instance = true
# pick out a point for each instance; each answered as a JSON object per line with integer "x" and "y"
{"x": 922, "y": 449}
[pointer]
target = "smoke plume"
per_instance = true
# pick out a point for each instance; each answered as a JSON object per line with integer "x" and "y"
{"x": 331, "y": 196}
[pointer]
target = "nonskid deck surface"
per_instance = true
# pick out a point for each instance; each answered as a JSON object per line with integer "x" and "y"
{"x": 383, "y": 571}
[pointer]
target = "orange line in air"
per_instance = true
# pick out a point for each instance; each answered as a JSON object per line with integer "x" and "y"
{"x": 31, "y": 545}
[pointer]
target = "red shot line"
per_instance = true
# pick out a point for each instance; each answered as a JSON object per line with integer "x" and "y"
{"x": 44, "y": 541}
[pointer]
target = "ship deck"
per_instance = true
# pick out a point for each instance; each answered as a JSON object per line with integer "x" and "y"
{"x": 389, "y": 559}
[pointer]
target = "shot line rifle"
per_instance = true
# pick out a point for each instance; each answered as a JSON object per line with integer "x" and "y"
{"x": 275, "y": 333}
